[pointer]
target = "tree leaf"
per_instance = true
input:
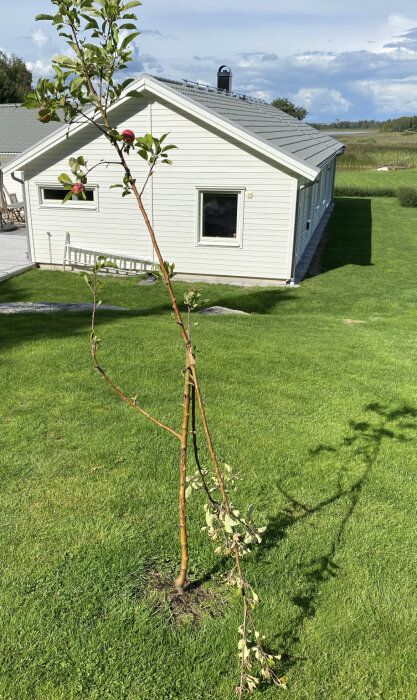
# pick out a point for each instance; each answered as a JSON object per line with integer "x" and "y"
{"x": 67, "y": 197}
{"x": 229, "y": 523}
{"x": 126, "y": 41}
{"x": 76, "y": 83}
{"x": 63, "y": 60}
{"x": 64, "y": 178}
{"x": 132, "y": 3}
{"x": 40, "y": 17}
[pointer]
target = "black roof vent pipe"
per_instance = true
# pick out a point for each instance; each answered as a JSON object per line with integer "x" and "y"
{"x": 224, "y": 79}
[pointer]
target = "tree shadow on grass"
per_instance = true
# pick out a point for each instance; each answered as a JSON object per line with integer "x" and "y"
{"x": 23, "y": 328}
{"x": 348, "y": 237}
{"x": 365, "y": 439}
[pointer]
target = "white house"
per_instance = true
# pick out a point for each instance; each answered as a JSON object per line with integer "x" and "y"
{"x": 247, "y": 196}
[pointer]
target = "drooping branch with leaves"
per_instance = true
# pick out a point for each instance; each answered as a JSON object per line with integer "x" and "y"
{"x": 85, "y": 88}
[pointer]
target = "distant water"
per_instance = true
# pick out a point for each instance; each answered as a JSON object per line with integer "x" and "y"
{"x": 339, "y": 133}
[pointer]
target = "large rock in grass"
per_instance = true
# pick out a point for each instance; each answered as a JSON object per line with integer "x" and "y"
{"x": 213, "y": 310}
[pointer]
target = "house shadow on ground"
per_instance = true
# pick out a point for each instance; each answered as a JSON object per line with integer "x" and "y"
{"x": 347, "y": 239}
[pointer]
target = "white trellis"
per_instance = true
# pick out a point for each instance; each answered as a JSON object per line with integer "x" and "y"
{"x": 78, "y": 256}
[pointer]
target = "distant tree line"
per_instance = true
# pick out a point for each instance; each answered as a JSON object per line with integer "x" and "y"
{"x": 400, "y": 124}
{"x": 15, "y": 79}
{"x": 361, "y": 125}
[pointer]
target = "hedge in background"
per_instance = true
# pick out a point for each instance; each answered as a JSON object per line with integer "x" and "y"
{"x": 407, "y": 196}
{"x": 369, "y": 191}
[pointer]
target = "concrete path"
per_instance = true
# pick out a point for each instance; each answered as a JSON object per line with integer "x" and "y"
{"x": 13, "y": 253}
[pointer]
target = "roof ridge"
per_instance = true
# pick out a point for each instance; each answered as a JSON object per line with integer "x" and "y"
{"x": 206, "y": 87}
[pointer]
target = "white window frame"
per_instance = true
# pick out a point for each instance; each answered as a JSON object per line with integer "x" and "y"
{"x": 212, "y": 240}
{"x": 72, "y": 203}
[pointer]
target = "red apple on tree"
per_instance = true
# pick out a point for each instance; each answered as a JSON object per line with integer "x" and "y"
{"x": 128, "y": 136}
{"x": 78, "y": 188}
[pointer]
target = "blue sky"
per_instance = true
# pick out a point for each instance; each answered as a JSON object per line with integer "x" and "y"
{"x": 347, "y": 60}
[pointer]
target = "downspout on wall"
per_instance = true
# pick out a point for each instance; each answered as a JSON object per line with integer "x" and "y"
{"x": 22, "y": 182}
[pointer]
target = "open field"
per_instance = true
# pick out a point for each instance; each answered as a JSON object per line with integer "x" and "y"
{"x": 374, "y": 150}
{"x": 370, "y": 179}
{"x": 318, "y": 414}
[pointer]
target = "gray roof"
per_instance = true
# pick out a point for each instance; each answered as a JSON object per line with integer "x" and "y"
{"x": 20, "y": 129}
{"x": 287, "y": 134}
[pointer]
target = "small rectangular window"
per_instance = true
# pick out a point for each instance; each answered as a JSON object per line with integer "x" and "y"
{"x": 220, "y": 216}
{"x": 53, "y": 196}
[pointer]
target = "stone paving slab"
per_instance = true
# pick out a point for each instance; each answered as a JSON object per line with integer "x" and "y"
{"x": 13, "y": 253}
{"x": 47, "y": 307}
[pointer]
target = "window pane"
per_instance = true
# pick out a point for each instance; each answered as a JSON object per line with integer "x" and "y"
{"x": 57, "y": 195}
{"x": 219, "y": 215}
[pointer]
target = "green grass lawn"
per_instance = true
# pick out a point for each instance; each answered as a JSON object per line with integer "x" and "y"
{"x": 372, "y": 178}
{"x": 318, "y": 415}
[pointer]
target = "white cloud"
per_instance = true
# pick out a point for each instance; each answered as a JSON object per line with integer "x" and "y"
{"x": 40, "y": 67}
{"x": 39, "y": 38}
{"x": 262, "y": 95}
{"x": 318, "y": 59}
{"x": 391, "y": 96}
{"x": 321, "y": 100}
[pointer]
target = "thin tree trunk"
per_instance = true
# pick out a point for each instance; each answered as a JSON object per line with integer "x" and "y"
{"x": 180, "y": 581}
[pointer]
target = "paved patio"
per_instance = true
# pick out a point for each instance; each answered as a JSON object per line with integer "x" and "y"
{"x": 13, "y": 253}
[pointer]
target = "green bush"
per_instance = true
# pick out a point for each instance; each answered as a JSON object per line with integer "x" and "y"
{"x": 407, "y": 196}
{"x": 365, "y": 191}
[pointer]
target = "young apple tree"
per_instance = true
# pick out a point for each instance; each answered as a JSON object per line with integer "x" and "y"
{"x": 85, "y": 87}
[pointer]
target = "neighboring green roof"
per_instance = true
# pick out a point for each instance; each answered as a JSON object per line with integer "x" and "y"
{"x": 20, "y": 129}
{"x": 285, "y": 133}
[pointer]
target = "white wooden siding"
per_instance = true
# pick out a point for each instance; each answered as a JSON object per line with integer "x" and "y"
{"x": 313, "y": 202}
{"x": 204, "y": 158}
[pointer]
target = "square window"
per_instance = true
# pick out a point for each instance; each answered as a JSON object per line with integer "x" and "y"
{"x": 220, "y": 217}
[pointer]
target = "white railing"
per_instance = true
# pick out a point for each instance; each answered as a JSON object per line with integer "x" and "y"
{"x": 79, "y": 256}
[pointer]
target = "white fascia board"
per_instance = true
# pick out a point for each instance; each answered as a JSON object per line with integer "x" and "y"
{"x": 159, "y": 89}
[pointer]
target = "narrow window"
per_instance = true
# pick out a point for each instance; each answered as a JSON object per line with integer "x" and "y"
{"x": 50, "y": 194}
